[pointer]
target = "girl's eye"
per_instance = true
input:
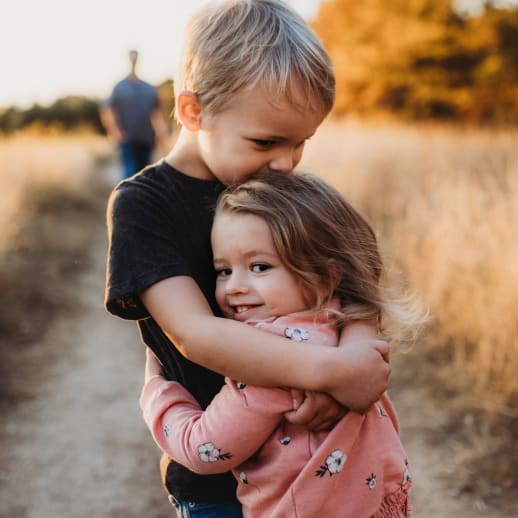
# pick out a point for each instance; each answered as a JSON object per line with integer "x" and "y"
{"x": 223, "y": 272}
{"x": 260, "y": 267}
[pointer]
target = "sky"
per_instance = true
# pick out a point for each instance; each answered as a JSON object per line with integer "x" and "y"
{"x": 53, "y": 48}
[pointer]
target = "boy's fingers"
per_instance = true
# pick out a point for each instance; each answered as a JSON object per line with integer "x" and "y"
{"x": 297, "y": 397}
{"x": 302, "y": 416}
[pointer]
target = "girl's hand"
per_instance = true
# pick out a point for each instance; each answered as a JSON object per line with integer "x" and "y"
{"x": 317, "y": 412}
{"x": 153, "y": 366}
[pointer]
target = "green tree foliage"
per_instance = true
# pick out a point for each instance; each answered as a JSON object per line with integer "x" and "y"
{"x": 72, "y": 112}
{"x": 422, "y": 59}
{"x": 166, "y": 97}
{"x": 67, "y": 113}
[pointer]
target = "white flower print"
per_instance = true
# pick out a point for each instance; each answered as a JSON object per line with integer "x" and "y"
{"x": 334, "y": 464}
{"x": 371, "y": 481}
{"x": 296, "y": 333}
{"x": 167, "y": 430}
{"x": 209, "y": 453}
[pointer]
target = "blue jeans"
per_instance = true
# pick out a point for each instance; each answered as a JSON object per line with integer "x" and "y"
{"x": 134, "y": 156}
{"x": 198, "y": 510}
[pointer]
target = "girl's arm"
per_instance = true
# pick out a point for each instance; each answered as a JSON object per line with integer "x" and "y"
{"x": 209, "y": 441}
{"x": 354, "y": 376}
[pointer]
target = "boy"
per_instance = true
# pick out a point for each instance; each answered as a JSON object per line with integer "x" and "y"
{"x": 254, "y": 85}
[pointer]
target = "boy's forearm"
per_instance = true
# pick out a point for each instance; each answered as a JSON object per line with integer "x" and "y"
{"x": 250, "y": 355}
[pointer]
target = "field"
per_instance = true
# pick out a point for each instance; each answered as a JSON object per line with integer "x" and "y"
{"x": 444, "y": 203}
{"x": 48, "y": 185}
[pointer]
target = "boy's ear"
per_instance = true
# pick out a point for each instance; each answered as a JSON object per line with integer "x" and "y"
{"x": 188, "y": 110}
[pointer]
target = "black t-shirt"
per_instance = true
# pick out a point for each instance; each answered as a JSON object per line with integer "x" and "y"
{"x": 159, "y": 226}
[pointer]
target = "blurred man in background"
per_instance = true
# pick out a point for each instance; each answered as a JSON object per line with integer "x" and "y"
{"x": 133, "y": 119}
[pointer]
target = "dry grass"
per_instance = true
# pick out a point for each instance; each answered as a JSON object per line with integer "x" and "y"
{"x": 35, "y": 166}
{"x": 443, "y": 201}
{"x": 445, "y": 204}
{"x": 50, "y": 199}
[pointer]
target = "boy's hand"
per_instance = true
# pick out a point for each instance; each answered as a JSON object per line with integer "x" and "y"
{"x": 317, "y": 412}
{"x": 367, "y": 374}
{"x": 153, "y": 366}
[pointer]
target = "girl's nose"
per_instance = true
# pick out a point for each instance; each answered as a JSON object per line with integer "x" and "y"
{"x": 236, "y": 284}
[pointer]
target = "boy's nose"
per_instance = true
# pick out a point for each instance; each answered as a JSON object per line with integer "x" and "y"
{"x": 286, "y": 160}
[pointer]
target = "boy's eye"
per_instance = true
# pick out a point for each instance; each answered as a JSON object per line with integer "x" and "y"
{"x": 264, "y": 143}
{"x": 223, "y": 272}
{"x": 260, "y": 267}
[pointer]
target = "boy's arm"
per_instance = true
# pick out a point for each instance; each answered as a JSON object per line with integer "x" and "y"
{"x": 209, "y": 441}
{"x": 318, "y": 411}
{"x": 354, "y": 376}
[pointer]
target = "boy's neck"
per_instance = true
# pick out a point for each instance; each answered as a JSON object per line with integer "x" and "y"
{"x": 185, "y": 157}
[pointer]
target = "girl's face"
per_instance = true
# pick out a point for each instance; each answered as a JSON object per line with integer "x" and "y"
{"x": 252, "y": 282}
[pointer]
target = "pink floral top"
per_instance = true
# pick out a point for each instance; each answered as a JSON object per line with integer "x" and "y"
{"x": 358, "y": 469}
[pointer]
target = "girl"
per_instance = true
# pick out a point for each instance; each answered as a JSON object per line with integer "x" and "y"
{"x": 295, "y": 259}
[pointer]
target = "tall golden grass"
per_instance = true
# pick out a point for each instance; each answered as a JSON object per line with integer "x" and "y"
{"x": 34, "y": 164}
{"x": 445, "y": 205}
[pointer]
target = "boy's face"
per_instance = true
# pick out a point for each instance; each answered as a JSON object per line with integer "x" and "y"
{"x": 254, "y": 135}
{"x": 252, "y": 282}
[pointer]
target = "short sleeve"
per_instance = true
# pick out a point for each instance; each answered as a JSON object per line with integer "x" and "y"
{"x": 142, "y": 247}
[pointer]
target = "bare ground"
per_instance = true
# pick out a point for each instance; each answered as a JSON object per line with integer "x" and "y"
{"x": 73, "y": 443}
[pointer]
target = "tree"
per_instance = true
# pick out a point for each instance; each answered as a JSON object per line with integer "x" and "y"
{"x": 419, "y": 58}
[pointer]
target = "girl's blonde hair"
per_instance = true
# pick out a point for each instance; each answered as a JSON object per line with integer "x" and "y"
{"x": 326, "y": 244}
{"x": 236, "y": 44}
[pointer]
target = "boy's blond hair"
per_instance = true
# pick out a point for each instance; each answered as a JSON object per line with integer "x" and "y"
{"x": 235, "y": 44}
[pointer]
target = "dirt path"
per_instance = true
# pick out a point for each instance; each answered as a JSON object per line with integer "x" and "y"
{"x": 76, "y": 445}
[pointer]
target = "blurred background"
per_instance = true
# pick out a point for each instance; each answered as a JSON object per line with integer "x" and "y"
{"x": 423, "y": 139}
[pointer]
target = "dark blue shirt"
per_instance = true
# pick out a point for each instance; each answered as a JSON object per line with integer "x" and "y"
{"x": 133, "y": 101}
